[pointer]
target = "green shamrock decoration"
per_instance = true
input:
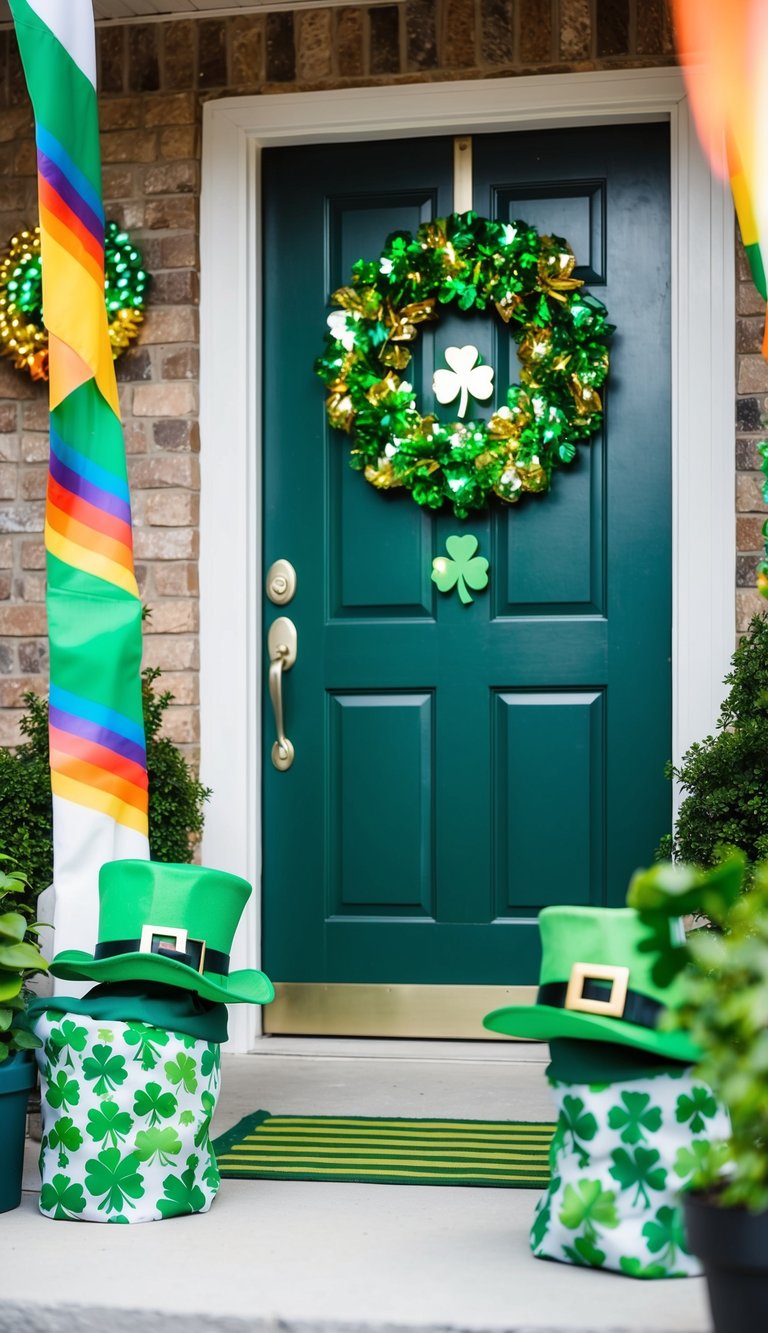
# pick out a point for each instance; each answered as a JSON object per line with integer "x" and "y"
{"x": 211, "y": 1174}
{"x": 463, "y": 570}
{"x": 107, "y": 1069}
{"x": 109, "y": 1124}
{"x": 580, "y": 1124}
{"x": 62, "y": 1091}
{"x": 182, "y": 1071}
{"x": 209, "y": 1064}
{"x": 182, "y": 1195}
{"x": 66, "y": 1137}
{"x": 697, "y": 1109}
{"x": 116, "y": 1178}
{"x": 635, "y": 1118}
{"x": 162, "y": 1144}
{"x": 634, "y": 1267}
{"x": 69, "y": 1037}
{"x": 209, "y": 1106}
{"x": 147, "y": 1039}
{"x": 700, "y": 1162}
{"x": 589, "y": 1206}
{"x": 638, "y": 1168}
{"x": 151, "y": 1101}
{"x": 62, "y": 1198}
{"x": 666, "y": 1235}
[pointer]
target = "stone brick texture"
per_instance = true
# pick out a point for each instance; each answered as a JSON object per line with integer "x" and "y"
{"x": 153, "y": 79}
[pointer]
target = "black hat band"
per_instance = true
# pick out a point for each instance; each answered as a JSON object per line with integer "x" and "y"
{"x": 638, "y": 1009}
{"x": 197, "y": 954}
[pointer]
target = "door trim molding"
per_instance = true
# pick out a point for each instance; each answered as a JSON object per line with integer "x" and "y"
{"x": 703, "y": 390}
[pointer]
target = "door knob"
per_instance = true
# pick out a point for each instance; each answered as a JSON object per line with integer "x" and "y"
{"x": 282, "y": 641}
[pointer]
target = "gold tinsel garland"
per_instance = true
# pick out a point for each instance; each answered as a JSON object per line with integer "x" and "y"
{"x": 23, "y": 335}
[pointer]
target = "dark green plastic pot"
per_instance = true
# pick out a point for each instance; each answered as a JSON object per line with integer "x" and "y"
{"x": 732, "y": 1245}
{"x": 17, "y": 1078}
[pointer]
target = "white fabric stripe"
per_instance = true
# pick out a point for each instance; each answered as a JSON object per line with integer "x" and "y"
{"x": 71, "y": 22}
{"x": 83, "y": 841}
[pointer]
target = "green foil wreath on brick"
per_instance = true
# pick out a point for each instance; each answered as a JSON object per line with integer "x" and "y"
{"x": 477, "y": 265}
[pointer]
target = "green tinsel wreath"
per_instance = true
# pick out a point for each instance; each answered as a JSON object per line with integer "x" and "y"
{"x": 23, "y": 335}
{"x": 560, "y": 333}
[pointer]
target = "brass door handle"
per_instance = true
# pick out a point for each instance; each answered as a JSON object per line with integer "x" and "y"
{"x": 282, "y": 642}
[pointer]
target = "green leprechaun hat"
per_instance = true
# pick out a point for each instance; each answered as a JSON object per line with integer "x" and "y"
{"x": 172, "y": 924}
{"x": 596, "y": 983}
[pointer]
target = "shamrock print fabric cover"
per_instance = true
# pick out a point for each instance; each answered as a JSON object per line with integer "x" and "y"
{"x": 127, "y": 1111}
{"x": 621, "y": 1154}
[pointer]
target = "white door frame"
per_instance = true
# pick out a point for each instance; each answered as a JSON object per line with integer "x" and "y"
{"x": 703, "y": 390}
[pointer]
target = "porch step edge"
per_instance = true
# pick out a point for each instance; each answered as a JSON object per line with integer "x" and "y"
{"x": 36, "y": 1318}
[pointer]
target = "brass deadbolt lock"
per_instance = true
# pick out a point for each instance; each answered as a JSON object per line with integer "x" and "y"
{"x": 281, "y": 582}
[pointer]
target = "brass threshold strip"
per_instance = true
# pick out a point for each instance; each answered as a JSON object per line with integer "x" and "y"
{"x": 318, "y": 1009}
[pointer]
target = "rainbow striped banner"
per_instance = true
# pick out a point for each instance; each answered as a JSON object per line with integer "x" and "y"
{"x": 98, "y": 754}
{"x": 722, "y": 46}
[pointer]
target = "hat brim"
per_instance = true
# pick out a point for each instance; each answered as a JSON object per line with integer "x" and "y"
{"x": 245, "y": 987}
{"x": 542, "y": 1022}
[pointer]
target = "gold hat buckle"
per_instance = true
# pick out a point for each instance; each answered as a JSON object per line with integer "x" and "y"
{"x": 613, "y": 1006}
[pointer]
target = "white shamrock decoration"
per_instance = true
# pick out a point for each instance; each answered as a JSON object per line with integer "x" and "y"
{"x": 465, "y": 377}
{"x": 338, "y": 323}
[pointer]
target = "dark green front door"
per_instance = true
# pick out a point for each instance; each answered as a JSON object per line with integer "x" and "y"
{"x": 459, "y": 767}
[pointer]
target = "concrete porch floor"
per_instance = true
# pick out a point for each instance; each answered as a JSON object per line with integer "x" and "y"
{"x": 275, "y": 1256}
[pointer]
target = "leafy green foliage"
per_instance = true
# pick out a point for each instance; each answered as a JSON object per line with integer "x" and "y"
{"x": 20, "y": 958}
{"x": 26, "y": 832}
{"x": 726, "y": 776}
{"x": 725, "y": 1008}
{"x": 176, "y": 798}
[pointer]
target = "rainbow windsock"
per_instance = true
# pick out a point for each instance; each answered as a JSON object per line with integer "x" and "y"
{"x": 723, "y": 50}
{"x": 98, "y": 753}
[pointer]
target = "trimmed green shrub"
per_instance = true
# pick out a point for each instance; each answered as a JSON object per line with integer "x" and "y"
{"x": 176, "y": 797}
{"x": 725, "y": 776}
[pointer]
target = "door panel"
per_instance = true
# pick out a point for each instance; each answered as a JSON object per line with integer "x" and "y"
{"x": 380, "y": 756}
{"x": 458, "y": 767}
{"x": 549, "y": 755}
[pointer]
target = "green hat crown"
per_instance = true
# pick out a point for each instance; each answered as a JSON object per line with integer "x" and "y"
{"x": 596, "y": 984}
{"x": 168, "y": 924}
{"x": 600, "y": 937}
{"x": 206, "y": 903}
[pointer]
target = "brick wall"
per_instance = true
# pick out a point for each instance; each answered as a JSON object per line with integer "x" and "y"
{"x": 153, "y": 79}
{"x": 751, "y": 417}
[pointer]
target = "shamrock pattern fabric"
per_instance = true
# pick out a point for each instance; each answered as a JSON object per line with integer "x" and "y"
{"x": 127, "y": 1111}
{"x": 621, "y": 1155}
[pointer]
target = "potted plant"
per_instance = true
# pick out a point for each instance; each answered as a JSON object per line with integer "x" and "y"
{"x": 724, "y": 778}
{"x": 19, "y": 957}
{"x": 725, "y": 985}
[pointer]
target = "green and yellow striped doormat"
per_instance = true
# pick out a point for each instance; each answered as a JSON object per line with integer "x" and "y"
{"x": 387, "y": 1151}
